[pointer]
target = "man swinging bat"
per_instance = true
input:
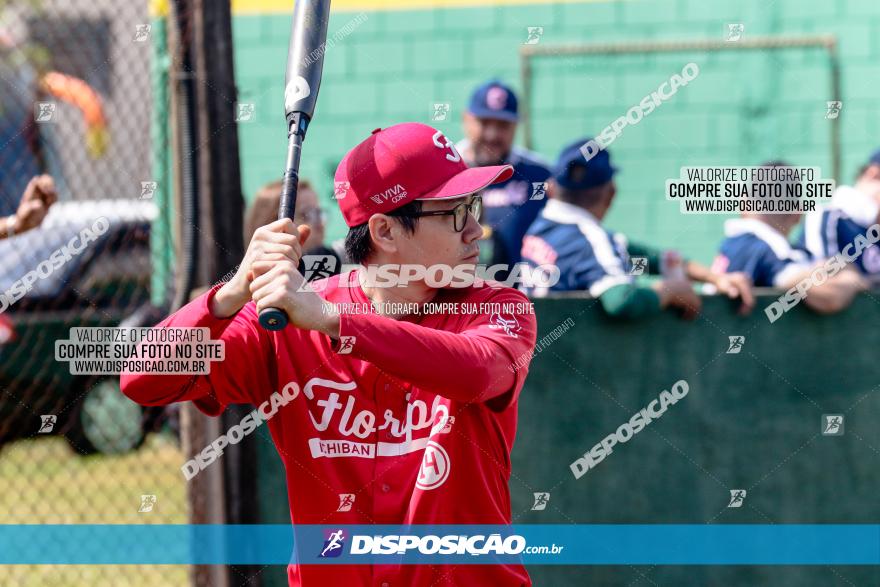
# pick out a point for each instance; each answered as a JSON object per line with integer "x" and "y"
{"x": 415, "y": 416}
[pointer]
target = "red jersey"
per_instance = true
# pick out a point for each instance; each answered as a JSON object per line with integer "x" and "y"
{"x": 411, "y": 421}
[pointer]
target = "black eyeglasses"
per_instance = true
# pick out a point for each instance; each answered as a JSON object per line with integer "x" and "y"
{"x": 313, "y": 217}
{"x": 459, "y": 213}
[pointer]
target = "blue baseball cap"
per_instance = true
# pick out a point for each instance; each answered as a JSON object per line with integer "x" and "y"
{"x": 575, "y": 172}
{"x": 494, "y": 99}
{"x": 875, "y": 158}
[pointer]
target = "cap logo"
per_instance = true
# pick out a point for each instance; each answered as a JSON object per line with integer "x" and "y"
{"x": 395, "y": 194}
{"x": 496, "y": 98}
{"x": 340, "y": 189}
{"x": 447, "y": 144}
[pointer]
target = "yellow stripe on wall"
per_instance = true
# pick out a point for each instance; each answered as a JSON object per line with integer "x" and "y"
{"x": 268, "y": 6}
{"x": 158, "y": 8}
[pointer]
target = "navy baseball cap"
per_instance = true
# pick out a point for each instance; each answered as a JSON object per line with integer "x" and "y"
{"x": 574, "y": 172}
{"x": 875, "y": 158}
{"x": 494, "y": 99}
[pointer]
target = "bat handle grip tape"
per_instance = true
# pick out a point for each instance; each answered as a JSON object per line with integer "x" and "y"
{"x": 275, "y": 318}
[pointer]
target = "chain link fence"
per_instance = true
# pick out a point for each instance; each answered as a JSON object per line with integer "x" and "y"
{"x": 76, "y": 103}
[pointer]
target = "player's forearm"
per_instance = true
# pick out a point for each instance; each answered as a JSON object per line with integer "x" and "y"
{"x": 698, "y": 272}
{"x": 456, "y": 366}
{"x": 837, "y": 293}
{"x": 152, "y": 389}
{"x": 228, "y": 301}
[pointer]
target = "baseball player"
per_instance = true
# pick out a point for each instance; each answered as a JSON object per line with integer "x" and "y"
{"x": 509, "y": 206}
{"x": 569, "y": 234}
{"x": 410, "y": 416}
{"x": 757, "y": 244}
{"x": 830, "y": 229}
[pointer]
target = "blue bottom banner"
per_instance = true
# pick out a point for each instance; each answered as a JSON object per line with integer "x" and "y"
{"x": 656, "y": 544}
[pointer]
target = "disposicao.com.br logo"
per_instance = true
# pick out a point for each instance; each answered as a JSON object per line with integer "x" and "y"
{"x": 334, "y": 543}
{"x": 424, "y": 547}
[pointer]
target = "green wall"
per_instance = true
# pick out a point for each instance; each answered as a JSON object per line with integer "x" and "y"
{"x": 742, "y": 109}
{"x": 751, "y": 420}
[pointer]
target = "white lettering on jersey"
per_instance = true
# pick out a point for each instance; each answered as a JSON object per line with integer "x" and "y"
{"x": 435, "y": 467}
{"x": 360, "y": 424}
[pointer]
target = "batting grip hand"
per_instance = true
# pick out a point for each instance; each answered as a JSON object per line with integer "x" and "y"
{"x": 302, "y": 80}
{"x": 275, "y": 318}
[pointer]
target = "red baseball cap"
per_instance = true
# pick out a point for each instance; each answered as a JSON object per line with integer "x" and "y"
{"x": 402, "y": 163}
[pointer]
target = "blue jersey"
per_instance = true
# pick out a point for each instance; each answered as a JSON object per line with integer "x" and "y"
{"x": 588, "y": 256}
{"x": 509, "y": 208}
{"x": 761, "y": 252}
{"x": 832, "y": 228}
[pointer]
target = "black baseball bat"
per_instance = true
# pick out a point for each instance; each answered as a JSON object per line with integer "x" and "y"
{"x": 302, "y": 80}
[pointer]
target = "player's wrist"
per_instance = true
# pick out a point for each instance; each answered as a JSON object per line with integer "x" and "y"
{"x": 228, "y": 301}
{"x": 12, "y": 226}
{"x": 715, "y": 279}
{"x": 330, "y": 323}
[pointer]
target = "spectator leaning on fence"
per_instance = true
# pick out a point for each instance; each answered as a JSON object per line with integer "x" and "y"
{"x": 834, "y": 227}
{"x": 511, "y": 206}
{"x": 264, "y": 210}
{"x": 569, "y": 234}
{"x": 38, "y": 197}
{"x": 757, "y": 244}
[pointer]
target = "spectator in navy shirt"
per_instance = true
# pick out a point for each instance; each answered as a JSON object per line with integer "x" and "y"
{"x": 569, "y": 234}
{"x": 509, "y": 207}
{"x": 757, "y": 244}
{"x": 834, "y": 227}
